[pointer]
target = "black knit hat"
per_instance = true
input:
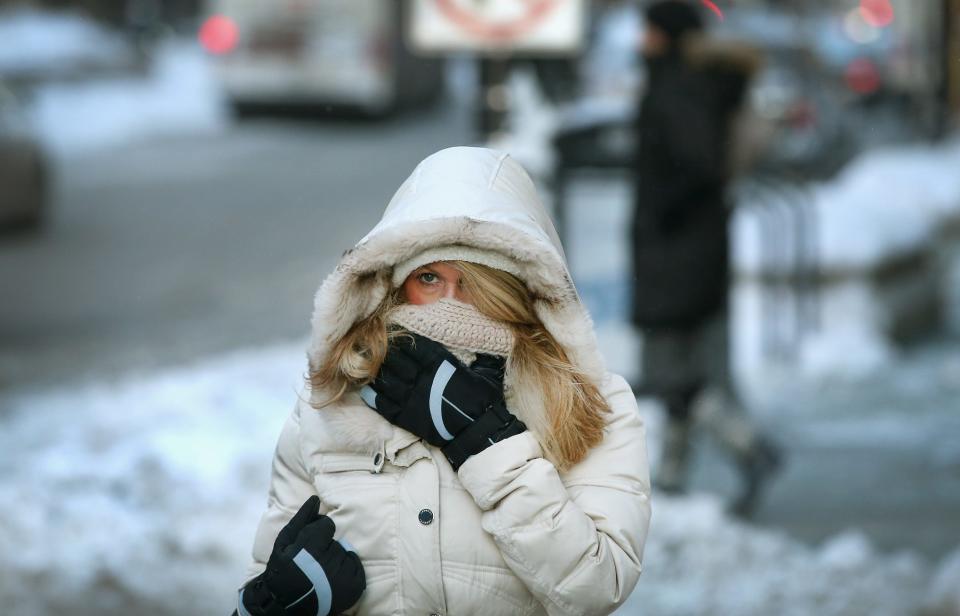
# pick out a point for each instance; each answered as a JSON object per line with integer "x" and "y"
{"x": 675, "y": 17}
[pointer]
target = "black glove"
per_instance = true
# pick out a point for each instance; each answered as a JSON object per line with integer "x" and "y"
{"x": 424, "y": 389}
{"x": 308, "y": 574}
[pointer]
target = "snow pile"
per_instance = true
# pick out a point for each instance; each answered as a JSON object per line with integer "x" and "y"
{"x": 887, "y": 203}
{"x": 143, "y": 496}
{"x": 86, "y": 93}
{"x": 42, "y": 42}
{"x": 178, "y": 95}
{"x": 140, "y": 497}
{"x": 847, "y": 353}
{"x": 698, "y": 561}
{"x": 532, "y": 123}
{"x": 944, "y": 597}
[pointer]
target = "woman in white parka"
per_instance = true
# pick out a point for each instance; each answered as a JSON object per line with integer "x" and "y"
{"x": 460, "y": 435}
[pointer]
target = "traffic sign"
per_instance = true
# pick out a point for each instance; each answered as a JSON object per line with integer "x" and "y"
{"x": 498, "y": 26}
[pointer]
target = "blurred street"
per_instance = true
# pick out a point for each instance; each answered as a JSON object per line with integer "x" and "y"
{"x": 173, "y": 249}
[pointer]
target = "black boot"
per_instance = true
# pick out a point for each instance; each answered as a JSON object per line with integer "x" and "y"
{"x": 671, "y": 475}
{"x": 757, "y": 467}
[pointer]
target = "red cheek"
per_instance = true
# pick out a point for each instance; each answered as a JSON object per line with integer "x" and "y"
{"x": 414, "y": 294}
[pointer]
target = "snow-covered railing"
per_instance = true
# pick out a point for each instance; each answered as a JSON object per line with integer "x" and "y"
{"x": 868, "y": 253}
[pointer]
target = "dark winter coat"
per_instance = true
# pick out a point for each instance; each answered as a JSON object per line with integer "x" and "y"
{"x": 680, "y": 245}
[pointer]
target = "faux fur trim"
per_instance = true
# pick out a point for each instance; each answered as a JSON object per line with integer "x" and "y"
{"x": 706, "y": 51}
{"x": 361, "y": 280}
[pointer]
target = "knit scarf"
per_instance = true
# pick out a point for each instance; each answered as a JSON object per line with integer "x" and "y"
{"x": 459, "y": 327}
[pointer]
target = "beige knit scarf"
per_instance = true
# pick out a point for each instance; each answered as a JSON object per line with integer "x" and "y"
{"x": 460, "y": 327}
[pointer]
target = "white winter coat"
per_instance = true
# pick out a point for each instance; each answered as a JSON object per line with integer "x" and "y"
{"x": 508, "y": 534}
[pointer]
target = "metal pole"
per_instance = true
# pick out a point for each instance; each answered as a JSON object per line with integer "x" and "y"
{"x": 493, "y": 104}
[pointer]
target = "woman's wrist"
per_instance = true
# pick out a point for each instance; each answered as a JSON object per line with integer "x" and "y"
{"x": 494, "y": 425}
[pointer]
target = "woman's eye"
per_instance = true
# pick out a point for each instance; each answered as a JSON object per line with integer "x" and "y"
{"x": 428, "y": 278}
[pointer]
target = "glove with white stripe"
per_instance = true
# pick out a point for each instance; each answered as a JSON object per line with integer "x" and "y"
{"x": 308, "y": 574}
{"x": 424, "y": 389}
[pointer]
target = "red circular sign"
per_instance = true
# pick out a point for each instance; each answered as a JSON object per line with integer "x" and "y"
{"x": 532, "y": 13}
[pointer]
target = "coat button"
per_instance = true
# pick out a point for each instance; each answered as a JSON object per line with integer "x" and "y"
{"x": 425, "y": 516}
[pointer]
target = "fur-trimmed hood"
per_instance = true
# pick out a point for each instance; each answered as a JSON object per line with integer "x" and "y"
{"x": 460, "y": 196}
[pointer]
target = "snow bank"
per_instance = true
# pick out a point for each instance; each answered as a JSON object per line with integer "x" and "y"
{"x": 944, "y": 597}
{"x": 178, "y": 95}
{"x": 887, "y": 203}
{"x": 86, "y": 94}
{"x": 698, "y": 561}
{"x": 142, "y": 497}
{"x": 40, "y": 42}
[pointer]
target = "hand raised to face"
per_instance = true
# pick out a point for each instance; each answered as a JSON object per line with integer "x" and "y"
{"x": 424, "y": 389}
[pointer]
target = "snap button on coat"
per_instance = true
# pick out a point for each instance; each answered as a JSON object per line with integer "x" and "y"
{"x": 425, "y": 516}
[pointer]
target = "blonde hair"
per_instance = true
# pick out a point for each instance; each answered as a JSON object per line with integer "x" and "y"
{"x": 574, "y": 406}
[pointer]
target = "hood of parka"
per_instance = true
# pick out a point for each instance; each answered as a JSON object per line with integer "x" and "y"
{"x": 462, "y": 196}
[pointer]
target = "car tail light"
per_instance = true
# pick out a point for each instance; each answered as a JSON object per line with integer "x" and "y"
{"x": 862, "y": 76}
{"x": 219, "y": 34}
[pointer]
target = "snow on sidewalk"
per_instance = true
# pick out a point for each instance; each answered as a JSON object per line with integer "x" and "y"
{"x": 143, "y": 495}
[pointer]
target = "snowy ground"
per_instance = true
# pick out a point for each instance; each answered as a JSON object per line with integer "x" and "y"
{"x": 140, "y": 493}
{"x": 142, "y": 496}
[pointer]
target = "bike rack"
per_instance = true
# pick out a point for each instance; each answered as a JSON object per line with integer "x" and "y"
{"x": 789, "y": 253}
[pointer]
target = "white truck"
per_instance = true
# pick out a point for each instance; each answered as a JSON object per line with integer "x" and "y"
{"x": 316, "y": 53}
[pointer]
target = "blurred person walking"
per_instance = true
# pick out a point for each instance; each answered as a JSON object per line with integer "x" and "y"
{"x": 680, "y": 245}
